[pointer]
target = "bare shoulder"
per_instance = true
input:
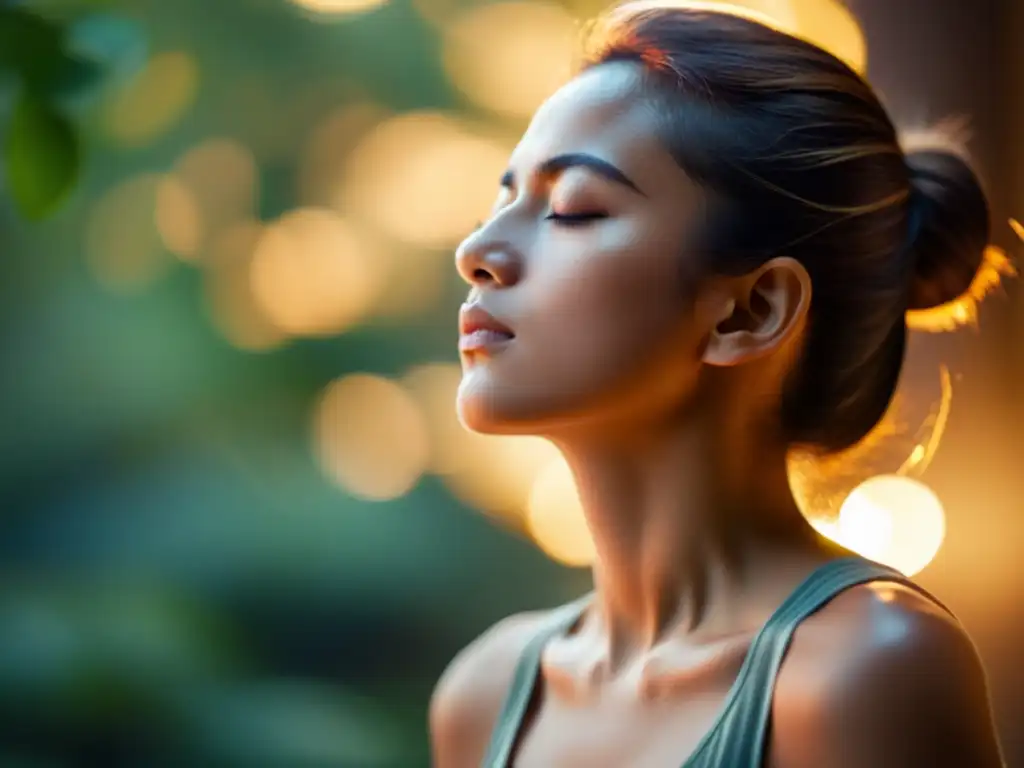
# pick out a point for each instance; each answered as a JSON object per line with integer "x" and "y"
{"x": 470, "y": 692}
{"x": 883, "y": 677}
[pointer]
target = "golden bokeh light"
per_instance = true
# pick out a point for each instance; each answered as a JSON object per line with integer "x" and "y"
{"x": 157, "y": 98}
{"x": 220, "y": 178}
{"x": 827, "y": 24}
{"x": 178, "y": 218}
{"x": 230, "y": 302}
{"x": 322, "y": 166}
{"x": 509, "y": 57}
{"x": 424, "y": 178}
{"x": 830, "y": 25}
{"x": 370, "y": 437}
{"x": 415, "y": 275}
{"x": 555, "y": 516}
{"x": 338, "y": 7}
{"x": 314, "y": 274}
{"x": 500, "y": 473}
{"x": 123, "y": 247}
{"x": 782, "y": 12}
{"x": 891, "y": 519}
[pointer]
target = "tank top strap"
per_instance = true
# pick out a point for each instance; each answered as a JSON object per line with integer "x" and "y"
{"x": 738, "y": 737}
{"x": 524, "y": 681}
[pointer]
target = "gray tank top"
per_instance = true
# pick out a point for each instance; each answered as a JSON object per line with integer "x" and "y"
{"x": 737, "y": 738}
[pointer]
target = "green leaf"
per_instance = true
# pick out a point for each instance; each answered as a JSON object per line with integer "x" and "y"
{"x": 42, "y": 156}
{"x": 74, "y": 81}
{"x": 29, "y": 45}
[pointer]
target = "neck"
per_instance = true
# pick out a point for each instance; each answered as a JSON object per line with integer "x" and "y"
{"x": 679, "y": 515}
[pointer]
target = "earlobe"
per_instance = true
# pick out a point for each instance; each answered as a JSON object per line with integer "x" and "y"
{"x": 768, "y": 309}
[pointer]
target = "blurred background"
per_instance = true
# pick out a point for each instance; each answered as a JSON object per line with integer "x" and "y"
{"x": 239, "y": 523}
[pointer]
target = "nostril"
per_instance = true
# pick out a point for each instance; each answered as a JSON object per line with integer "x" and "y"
{"x": 482, "y": 275}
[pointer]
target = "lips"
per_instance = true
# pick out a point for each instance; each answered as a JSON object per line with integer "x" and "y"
{"x": 480, "y": 331}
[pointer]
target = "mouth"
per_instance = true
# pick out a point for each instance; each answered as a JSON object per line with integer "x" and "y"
{"x": 480, "y": 331}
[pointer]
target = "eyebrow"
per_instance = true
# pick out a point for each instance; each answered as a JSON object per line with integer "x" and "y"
{"x": 558, "y": 164}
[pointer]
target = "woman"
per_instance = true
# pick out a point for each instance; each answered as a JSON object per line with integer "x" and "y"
{"x": 700, "y": 259}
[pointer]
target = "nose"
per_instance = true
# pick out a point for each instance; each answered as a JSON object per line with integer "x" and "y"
{"x": 486, "y": 262}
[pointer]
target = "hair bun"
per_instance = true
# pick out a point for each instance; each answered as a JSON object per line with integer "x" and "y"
{"x": 950, "y": 223}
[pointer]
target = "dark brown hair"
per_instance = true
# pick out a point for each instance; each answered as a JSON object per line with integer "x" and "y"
{"x": 801, "y": 159}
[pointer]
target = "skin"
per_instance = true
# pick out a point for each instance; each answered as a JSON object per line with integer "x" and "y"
{"x": 660, "y": 386}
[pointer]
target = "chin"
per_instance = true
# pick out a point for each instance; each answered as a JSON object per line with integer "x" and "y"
{"x": 484, "y": 407}
{"x": 477, "y": 419}
{"x": 486, "y": 415}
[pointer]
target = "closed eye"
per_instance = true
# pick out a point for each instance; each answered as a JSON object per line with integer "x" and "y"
{"x": 576, "y": 219}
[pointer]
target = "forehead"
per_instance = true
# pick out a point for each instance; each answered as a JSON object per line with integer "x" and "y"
{"x": 600, "y": 112}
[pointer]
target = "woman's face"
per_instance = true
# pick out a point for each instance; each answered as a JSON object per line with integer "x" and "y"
{"x": 579, "y": 310}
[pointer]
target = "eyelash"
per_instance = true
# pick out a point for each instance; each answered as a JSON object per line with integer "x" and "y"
{"x": 566, "y": 220}
{"x": 575, "y": 219}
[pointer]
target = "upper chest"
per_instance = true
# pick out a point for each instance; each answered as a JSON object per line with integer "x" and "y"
{"x": 656, "y": 716}
{"x": 648, "y": 736}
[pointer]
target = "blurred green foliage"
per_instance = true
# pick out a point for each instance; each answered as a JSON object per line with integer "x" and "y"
{"x": 179, "y": 583}
{"x": 56, "y": 62}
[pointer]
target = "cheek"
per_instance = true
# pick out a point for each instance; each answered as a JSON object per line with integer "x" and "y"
{"x": 599, "y": 317}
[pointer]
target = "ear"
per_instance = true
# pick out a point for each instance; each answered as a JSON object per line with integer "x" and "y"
{"x": 767, "y": 309}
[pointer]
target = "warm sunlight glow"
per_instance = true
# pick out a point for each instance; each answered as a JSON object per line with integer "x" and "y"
{"x": 933, "y": 429}
{"x": 894, "y": 520}
{"x": 123, "y": 246}
{"x": 779, "y": 14}
{"x": 830, "y": 25}
{"x": 370, "y": 437}
{"x": 156, "y": 99}
{"x": 338, "y": 7}
{"x": 995, "y": 267}
{"x": 423, "y": 178}
{"x": 827, "y": 24}
{"x": 555, "y": 516}
{"x": 509, "y": 57}
{"x": 903, "y": 442}
{"x": 313, "y": 273}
